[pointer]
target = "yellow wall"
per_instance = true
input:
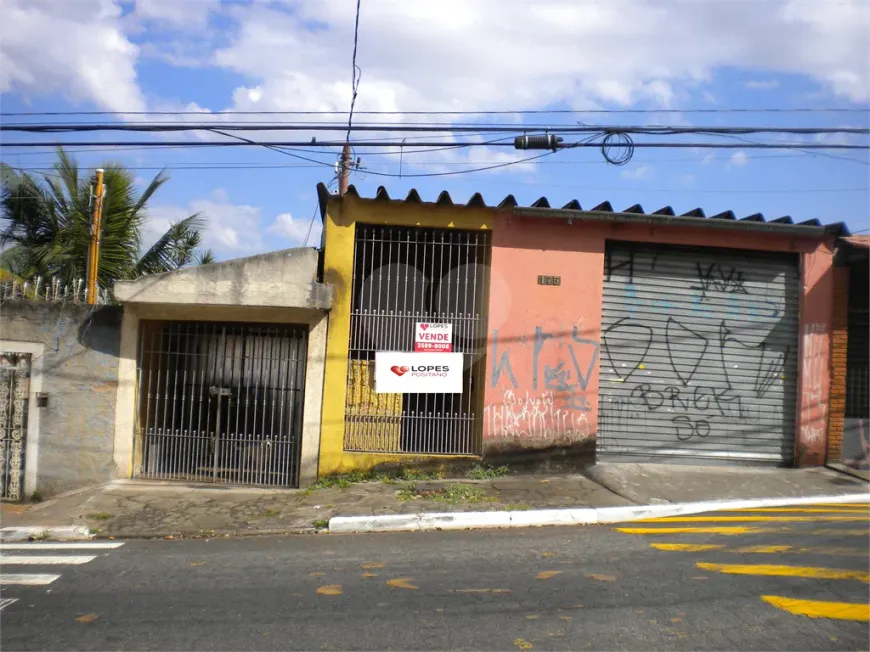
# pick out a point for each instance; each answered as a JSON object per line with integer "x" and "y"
{"x": 342, "y": 216}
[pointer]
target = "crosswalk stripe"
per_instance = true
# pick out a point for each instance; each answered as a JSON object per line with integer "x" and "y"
{"x": 726, "y": 530}
{"x": 27, "y": 579}
{"x": 751, "y": 519}
{"x": 786, "y": 571}
{"x": 820, "y": 608}
{"x": 73, "y": 545}
{"x": 5, "y": 602}
{"x": 39, "y": 560}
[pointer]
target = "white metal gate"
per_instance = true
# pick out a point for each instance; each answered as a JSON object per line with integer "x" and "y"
{"x": 14, "y": 404}
{"x": 221, "y": 402}
{"x": 699, "y": 354}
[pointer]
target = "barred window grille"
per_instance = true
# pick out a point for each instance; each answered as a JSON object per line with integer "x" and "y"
{"x": 401, "y": 276}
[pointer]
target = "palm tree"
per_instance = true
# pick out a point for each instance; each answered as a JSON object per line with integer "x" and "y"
{"x": 47, "y": 226}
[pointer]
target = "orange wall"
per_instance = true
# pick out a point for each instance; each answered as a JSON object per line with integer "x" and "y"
{"x": 543, "y": 346}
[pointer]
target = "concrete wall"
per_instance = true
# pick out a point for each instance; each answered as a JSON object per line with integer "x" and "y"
{"x": 280, "y": 278}
{"x": 532, "y": 327}
{"x": 78, "y": 370}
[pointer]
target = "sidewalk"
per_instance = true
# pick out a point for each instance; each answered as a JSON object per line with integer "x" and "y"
{"x": 132, "y": 509}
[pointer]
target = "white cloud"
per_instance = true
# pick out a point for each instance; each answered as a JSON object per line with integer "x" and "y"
{"x": 762, "y": 85}
{"x": 687, "y": 179}
{"x": 177, "y": 13}
{"x": 637, "y": 173}
{"x": 77, "y": 49}
{"x": 418, "y": 54}
{"x": 738, "y": 159}
{"x": 232, "y": 229}
{"x": 708, "y": 158}
{"x": 296, "y": 230}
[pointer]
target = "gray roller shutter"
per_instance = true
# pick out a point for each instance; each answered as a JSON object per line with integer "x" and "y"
{"x": 699, "y": 354}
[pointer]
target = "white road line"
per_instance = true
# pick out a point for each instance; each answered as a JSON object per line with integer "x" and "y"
{"x": 28, "y": 579}
{"x": 75, "y": 545}
{"x": 5, "y": 602}
{"x": 39, "y": 560}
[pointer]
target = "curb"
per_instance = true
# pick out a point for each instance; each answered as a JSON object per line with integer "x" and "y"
{"x": 40, "y": 532}
{"x": 571, "y": 516}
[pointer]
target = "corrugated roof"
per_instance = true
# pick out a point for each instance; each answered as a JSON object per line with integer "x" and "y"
{"x": 603, "y": 210}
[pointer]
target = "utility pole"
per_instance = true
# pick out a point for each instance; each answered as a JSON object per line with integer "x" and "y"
{"x": 96, "y": 230}
{"x": 344, "y": 170}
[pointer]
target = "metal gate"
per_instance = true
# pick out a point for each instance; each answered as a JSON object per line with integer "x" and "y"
{"x": 405, "y": 275}
{"x": 699, "y": 354}
{"x": 221, "y": 402}
{"x": 14, "y": 403}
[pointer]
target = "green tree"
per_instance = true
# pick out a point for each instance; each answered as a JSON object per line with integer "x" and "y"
{"x": 46, "y": 226}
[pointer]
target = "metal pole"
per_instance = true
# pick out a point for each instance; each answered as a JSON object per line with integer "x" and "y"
{"x": 96, "y": 228}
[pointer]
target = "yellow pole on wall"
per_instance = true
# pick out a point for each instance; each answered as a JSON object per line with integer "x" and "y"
{"x": 96, "y": 229}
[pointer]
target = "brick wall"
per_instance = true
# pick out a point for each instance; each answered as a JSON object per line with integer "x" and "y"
{"x": 80, "y": 376}
{"x": 839, "y": 345}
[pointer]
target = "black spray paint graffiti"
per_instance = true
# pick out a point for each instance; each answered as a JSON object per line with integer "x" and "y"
{"x": 715, "y": 277}
{"x": 626, "y": 345}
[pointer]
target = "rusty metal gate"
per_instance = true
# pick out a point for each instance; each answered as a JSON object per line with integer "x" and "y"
{"x": 401, "y": 276}
{"x": 14, "y": 392}
{"x": 221, "y": 402}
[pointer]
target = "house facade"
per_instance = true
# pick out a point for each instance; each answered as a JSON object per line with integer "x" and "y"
{"x": 584, "y": 334}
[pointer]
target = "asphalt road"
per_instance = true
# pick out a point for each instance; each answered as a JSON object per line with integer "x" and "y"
{"x": 683, "y": 584}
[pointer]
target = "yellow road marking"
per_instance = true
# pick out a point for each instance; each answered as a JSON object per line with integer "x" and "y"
{"x": 820, "y": 609}
{"x": 763, "y": 549}
{"x": 704, "y": 547}
{"x": 686, "y": 547}
{"x": 329, "y": 589}
{"x": 864, "y": 505}
{"x": 751, "y": 519}
{"x": 480, "y": 591}
{"x": 730, "y": 530}
{"x": 808, "y": 510}
{"x": 786, "y": 571}
{"x": 545, "y": 575}
{"x": 403, "y": 583}
{"x": 848, "y": 533}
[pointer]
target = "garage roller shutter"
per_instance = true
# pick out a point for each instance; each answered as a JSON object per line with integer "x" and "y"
{"x": 699, "y": 354}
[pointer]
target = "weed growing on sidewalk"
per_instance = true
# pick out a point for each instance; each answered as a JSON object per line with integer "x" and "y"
{"x": 451, "y": 493}
{"x": 487, "y": 472}
{"x": 99, "y": 516}
{"x": 346, "y": 480}
{"x": 517, "y": 507}
{"x": 36, "y": 497}
{"x": 321, "y": 524}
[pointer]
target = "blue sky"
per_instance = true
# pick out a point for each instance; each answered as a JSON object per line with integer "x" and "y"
{"x": 469, "y": 55}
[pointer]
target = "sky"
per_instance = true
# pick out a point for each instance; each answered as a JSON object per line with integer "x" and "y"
{"x": 667, "y": 58}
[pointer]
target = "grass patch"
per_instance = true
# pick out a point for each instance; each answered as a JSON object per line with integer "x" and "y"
{"x": 451, "y": 493}
{"x": 99, "y": 516}
{"x": 407, "y": 492}
{"x": 517, "y": 507}
{"x": 42, "y": 536}
{"x": 270, "y": 513}
{"x": 487, "y": 472}
{"x": 36, "y": 497}
{"x": 321, "y": 524}
{"x": 346, "y": 480}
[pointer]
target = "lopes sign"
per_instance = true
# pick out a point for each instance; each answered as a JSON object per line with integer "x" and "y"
{"x": 400, "y": 372}
{"x": 433, "y": 337}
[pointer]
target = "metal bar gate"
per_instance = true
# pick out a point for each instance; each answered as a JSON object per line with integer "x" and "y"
{"x": 401, "y": 276}
{"x": 14, "y": 404}
{"x": 221, "y": 402}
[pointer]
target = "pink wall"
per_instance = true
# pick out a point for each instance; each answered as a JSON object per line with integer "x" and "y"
{"x": 543, "y": 349}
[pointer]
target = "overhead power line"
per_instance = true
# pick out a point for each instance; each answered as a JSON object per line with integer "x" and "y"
{"x": 144, "y": 144}
{"x": 432, "y": 128}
